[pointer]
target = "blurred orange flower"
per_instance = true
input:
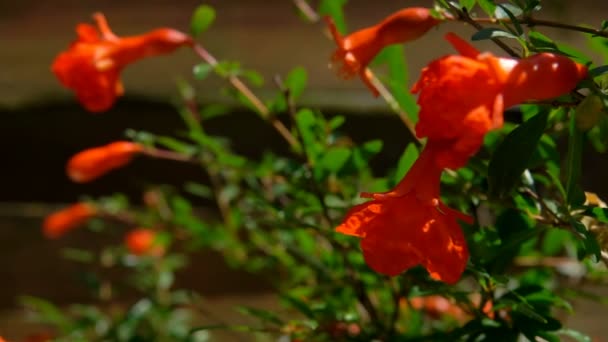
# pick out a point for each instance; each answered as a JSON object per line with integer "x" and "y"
{"x": 409, "y": 225}
{"x": 143, "y": 241}
{"x": 462, "y": 97}
{"x": 437, "y": 306}
{"x": 356, "y": 50}
{"x": 60, "y": 222}
{"x": 92, "y": 163}
{"x": 92, "y": 64}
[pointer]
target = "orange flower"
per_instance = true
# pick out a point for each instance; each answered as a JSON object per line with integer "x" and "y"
{"x": 357, "y": 50}
{"x": 437, "y": 306}
{"x": 142, "y": 241}
{"x": 59, "y": 223}
{"x": 92, "y": 64}
{"x": 409, "y": 225}
{"x": 463, "y": 97}
{"x": 92, "y": 163}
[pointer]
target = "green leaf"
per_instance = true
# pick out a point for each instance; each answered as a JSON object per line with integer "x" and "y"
{"x": 264, "y": 315}
{"x": 398, "y": 75}
{"x": 541, "y": 42}
{"x": 198, "y": 189}
{"x": 334, "y": 159}
{"x": 589, "y": 241}
{"x": 574, "y": 194}
{"x": 177, "y": 145}
{"x": 296, "y": 81}
{"x": 202, "y": 18}
{"x": 589, "y": 112}
{"x": 406, "y": 161}
{"x": 492, "y": 32}
{"x": 600, "y": 214}
{"x": 468, "y": 4}
{"x": 595, "y": 72}
{"x": 299, "y": 305}
{"x": 513, "y": 155}
{"x": 253, "y": 77}
{"x": 47, "y": 312}
{"x": 574, "y": 335}
{"x": 307, "y": 124}
{"x": 201, "y": 71}
{"x": 362, "y": 154}
{"x": 507, "y": 11}
{"x": 488, "y": 6}
{"x": 504, "y": 11}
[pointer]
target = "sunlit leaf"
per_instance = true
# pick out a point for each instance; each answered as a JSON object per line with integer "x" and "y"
{"x": 202, "y": 18}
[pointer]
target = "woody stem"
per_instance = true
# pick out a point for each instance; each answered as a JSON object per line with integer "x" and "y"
{"x": 168, "y": 155}
{"x": 254, "y": 100}
{"x": 464, "y": 16}
{"x": 530, "y": 22}
{"x": 392, "y": 102}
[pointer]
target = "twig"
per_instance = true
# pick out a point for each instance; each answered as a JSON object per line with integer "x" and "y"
{"x": 168, "y": 155}
{"x": 388, "y": 97}
{"x": 464, "y": 16}
{"x": 531, "y": 22}
{"x": 392, "y": 102}
{"x": 306, "y": 10}
{"x": 254, "y": 100}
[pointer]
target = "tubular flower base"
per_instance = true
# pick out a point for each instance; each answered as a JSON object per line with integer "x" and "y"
{"x": 142, "y": 241}
{"x": 462, "y": 97}
{"x": 59, "y": 223}
{"x": 357, "y": 50}
{"x": 409, "y": 225}
{"x": 92, "y": 64}
{"x": 92, "y": 163}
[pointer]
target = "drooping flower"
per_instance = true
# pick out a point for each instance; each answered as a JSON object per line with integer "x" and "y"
{"x": 409, "y": 225}
{"x": 462, "y": 97}
{"x": 74, "y": 216}
{"x": 92, "y": 64}
{"x": 356, "y": 50}
{"x": 92, "y": 163}
{"x": 143, "y": 241}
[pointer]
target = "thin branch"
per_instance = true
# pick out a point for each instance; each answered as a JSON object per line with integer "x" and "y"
{"x": 464, "y": 16}
{"x": 168, "y": 155}
{"x": 392, "y": 102}
{"x": 306, "y": 10}
{"x": 254, "y": 100}
{"x": 531, "y": 22}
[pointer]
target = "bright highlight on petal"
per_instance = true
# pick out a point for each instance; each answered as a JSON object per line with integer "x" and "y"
{"x": 409, "y": 226}
{"x": 462, "y": 97}
{"x": 93, "y": 62}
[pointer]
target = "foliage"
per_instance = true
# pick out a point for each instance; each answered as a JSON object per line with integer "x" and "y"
{"x": 276, "y": 215}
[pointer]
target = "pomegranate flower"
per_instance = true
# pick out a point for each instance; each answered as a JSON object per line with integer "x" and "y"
{"x": 92, "y": 64}
{"x": 462, "y": 97}
{"x": 409, "y": 225}
{"x": 92, "y": 163}
{"x": 60, "y": 222}
{"x": 142, "y": 241}
{"x": 357, "y": 50}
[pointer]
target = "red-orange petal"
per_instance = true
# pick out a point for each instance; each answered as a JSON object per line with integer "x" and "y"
{"x": 92, "y": 163}
{"x": 542, "y": 76}
{"x": 60, "y": 222}
{"x": 142, "y": 241}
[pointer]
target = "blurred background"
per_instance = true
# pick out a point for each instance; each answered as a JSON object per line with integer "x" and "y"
{"x": 43, "y": 125}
